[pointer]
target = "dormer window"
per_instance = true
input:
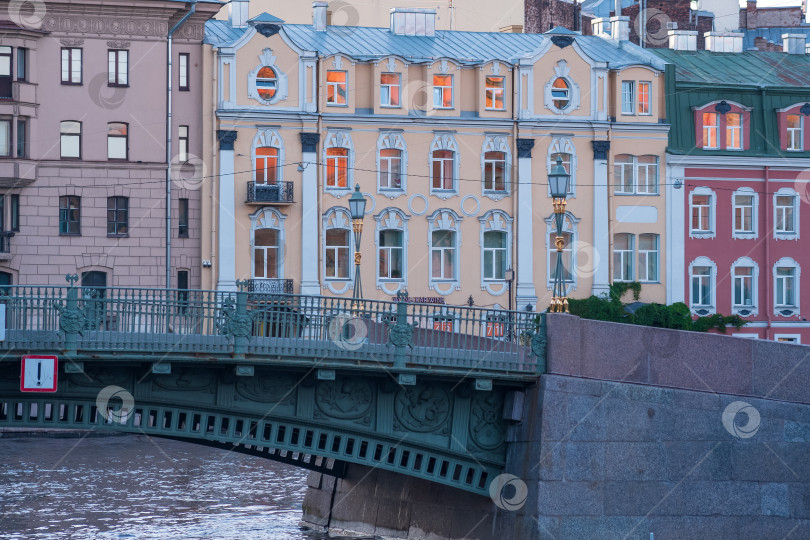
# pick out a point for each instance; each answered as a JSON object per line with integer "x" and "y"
{"x": 389, "y": 89}
{"x": 442, "y": 91}
{"x": 266, "y": 83}
{"x": 711, "y": 125}
{"x": 336, "y": 88}
{"x": 494, "y": 93}
{"x": 722, "y": 126}
{"x": 794, "y": 132}
{"x": 734, "y": 131}
{"x": 560, "y": 93}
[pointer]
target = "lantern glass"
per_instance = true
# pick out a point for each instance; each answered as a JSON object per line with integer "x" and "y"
{"x": 357, "y": 204}
{"x": 558, "y": 180}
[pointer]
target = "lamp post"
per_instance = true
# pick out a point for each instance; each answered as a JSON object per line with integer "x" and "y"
{"x": 357, "y": 209}
{"x": 509, "y": 275}
{"x": 558, "y": 181}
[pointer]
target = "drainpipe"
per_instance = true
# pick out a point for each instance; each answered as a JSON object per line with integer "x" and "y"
{"x": 169, "y": 142}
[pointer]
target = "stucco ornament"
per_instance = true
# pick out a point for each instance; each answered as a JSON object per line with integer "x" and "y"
{"x": 486, "y": 428}
{"x": 268, "y": 59}
{"x": 423, "y": 408}
{"x": 233, "y": 323}
{"x": 346, "y": 398}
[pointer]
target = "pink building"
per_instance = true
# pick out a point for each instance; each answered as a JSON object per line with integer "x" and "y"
{"x": 83, "y": 142}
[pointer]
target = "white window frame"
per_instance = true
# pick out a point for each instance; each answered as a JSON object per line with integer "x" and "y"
{"x": 753, "y": 309}
{"x": 739, "y": 129}
{"x": 338, "y": 217}
{"x": 116, "y": 76}
{"x": 496, "y": 143}
{"x": 742, "y": 234}
{"x": 623, "y": 254}
{"x": 71, "y": 65}
{"x": 392, "y": 140}
{"x": 267, "y": 59}
{"x": 452, "y": 88}
{"x": 339, "y": 139}
{"x": 398, "y": 86}
{"x": 336, "y": 85}
{"x": 562, "y": 71}
{"x": 796, "y": 337}
{"x": 628, "y": 91}
{"x": 391, "y": 219}
{"x": 563, "y": 145}
{"x": 794, "y": 310}
{"x": 445, "y": 219}
{"x": 783, "y": 235}
{"x": 570, "y": 225}
{"x": 797, "y": 133}
{"x": 444, "y": 141}
{"x": 647, "y": 254}
{"x": 496, "y": 221}
{"x": 698, "y": 233}
{"x": 494, "y": 91}
{"x": 648, "y": 85}
{"x": 268, "y": 138}
{"x": 701, "y": 309}
{"x": 705, "y": 127}
{"x": 636, "y": 181}
{"x": 267, "y": 218}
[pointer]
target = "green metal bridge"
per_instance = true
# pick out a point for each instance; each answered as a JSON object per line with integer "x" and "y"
{"x": 318, "y": 382}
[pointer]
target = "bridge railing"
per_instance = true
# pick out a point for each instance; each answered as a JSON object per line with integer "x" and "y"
{"x": 130, "y": 320}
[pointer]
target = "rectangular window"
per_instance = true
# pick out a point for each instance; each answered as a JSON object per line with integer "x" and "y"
{"x": 442, "y": 91}
{"x": 182, "y": 291}
{"x": 183, "y": 72}
{"x": 337, "y": 168}
{"x": 71, "y": 65}
{"x": 117, "y": 216}
{"x": 22, "y": 64}
{"x": 785, "y": 287}
{"x": 701, "y": 213}
{"x": 734, "y": 131}
{"x": 391, "y": 255}
{"x": 494, "y": 255}
{"x": 623, "y": 257}
{"x": 628, "y": 97}
{"x": 743, "y": 214}
{"x": 117, "y": 134}
{"x": 701, "y": 286}
{"x": 117, "y": 67}
{"x": 5, "y": 138}
{"x": 635, "y": 175}
{"x": 648, "y": 255}
{"x": 788, "y": 338}
{"x": 337, "y": 254}
{"x": 15, "y": 212}
{"x": 22, "y": 137}
{"x": 69, "y": 215}
{"x": 390, "y": 168}
{"x": 182, "y": 144}
{"x": 443, "y": 165}
{"x": 644, "y": 98}
{"x": 785, "y": 214}
{"x": 336, "y": 88}
{"x": 494, "y": 93}
{"x": 711, "y": 126}
{"x": 70, "y": 134}
{"x": 794, "y": 132}
{"x": 743, "y": 277}
{"x": 443, "y": 255}
{"x": 495, "y": 171}
{"x": 389, "y": 89}
{"x": 182, "y": 218}
{"x": 6, "y": 73}
{"x": 2, "y": 213}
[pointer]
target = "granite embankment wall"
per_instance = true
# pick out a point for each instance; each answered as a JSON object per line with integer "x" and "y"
{"x": 633, "y": 431}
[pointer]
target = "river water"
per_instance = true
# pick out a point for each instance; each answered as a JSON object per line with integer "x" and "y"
{"x": 137, "y": 487}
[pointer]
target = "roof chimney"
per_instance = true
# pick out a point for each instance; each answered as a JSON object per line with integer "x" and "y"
{"x": 238, "y": 13}
{"x": 794, "y": 43}
{"x": 729, "y": 42}
{"x": 600, "y": 27}
{"x": 319, "y": 15}
{"x": 413, "y": 21}
{"x": 683, "y": 40}
{"x": 618, "y": 8}
{"x": 620, "y": 27}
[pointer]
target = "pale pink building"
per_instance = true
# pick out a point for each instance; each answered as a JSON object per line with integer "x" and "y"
{"x": 83, "y": 142}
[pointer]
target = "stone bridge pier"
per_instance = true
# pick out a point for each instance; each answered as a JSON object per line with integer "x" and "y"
{"x": 633, "y": 431}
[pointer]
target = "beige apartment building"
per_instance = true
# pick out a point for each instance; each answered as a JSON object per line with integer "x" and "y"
{"x": 450, "y": 136}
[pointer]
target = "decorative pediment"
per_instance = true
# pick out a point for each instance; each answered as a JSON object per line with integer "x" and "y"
{"x": 267, "y": 58}
{"x": 337, "y": 219}
{"x": 562, "y": 69}
{"x": 391, "y": 65}
{"x": 444, "y": 142}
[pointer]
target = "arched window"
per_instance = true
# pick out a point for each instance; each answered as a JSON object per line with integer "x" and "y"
{"x": 267, "y": 243}
{"x": 786, "y": 274}
{"x": 786, "y": 214}
{"x": 338, "y": 161}
{"x": 496, "y": 164}
{"x": 444, "y": 166}
{"x": 392, "y": 160}
{"x": 745, "y": 203}
{"x": 563, "y": 148}
{"x": 744, "y": 281}
{"x": 496, "y": 250}
{"x": 337, "y": 246}
{"x": 444, "y": 240}
{"x": 702, "y": 286}
{"x": 392, "y": 253}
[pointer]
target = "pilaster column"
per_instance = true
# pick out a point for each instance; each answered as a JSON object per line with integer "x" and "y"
{"x": 226, "y": 257}
{"x": 675, "y": 241}
{"x": 525, "y": 293}
{"x": 310, "y": 246}
{"x": 601, "y": 219}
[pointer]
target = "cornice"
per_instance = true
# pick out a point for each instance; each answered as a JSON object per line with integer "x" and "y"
{"x": 758, "y": 162}
{"x": 119, "y": 25}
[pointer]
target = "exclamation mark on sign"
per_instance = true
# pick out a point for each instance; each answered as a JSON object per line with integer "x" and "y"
{"x": 39, "y": 373}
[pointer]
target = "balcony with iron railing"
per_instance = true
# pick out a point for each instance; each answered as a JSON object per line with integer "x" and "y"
{"x": 270, "y": 286}
{"x": 278, "y": 193}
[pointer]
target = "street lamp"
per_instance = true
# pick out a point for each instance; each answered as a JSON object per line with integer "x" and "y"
{"x": 558, "y": 181}
{"x": 357, "y": 209}
{"x": 509, "y": 275}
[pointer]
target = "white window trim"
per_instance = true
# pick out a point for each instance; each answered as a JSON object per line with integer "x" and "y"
{"x": 802, "y": 125}
{"x": 339, "y": 139}
{"x": 704, "y": 310}
{"x": 797, "y": 337}
{"x": 268, "y": 138}
{"x": 496, "y": 71}
{"x": 338, "y": 67}
{"x": 657, "y": 251}
{"x": 712, "y": 232}
{"x": 632, "y": 98}
{"x": 268, "y": 218}
{"x": 497, "y": 143}
{"x": 267, "y": 59}
{"x": 398, "y": 86}
{"x": 337, "y": 217}
{"x": 562, "y": 71}
{"x": 789, "y": 311}
{"x": 637, "y": 177}
{"x": 563, "y": 145}
{"x": 747, "y": 335}
{"x": 716, "y": 127}
{"x": 746, "y": 192}
{"x": 444, "y": 219}
{"x": 443, "y": 71}
{"x": 392, "y": 140}
{"x": 742, "y": 132}
{"x": 444, "y": 141}
{"x": 569, "y": 226}
{"x": 746, "y": 262}
{"x": 631, "y": 252}
{"x": 649, "y": 97}
{"x": 496, "y": 220}
{"x": 788, "y": 192}
{"x": 387, "y": 220}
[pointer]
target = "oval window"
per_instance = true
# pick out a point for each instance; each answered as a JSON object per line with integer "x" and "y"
{"x": 560, "y": 93}
{"x": 266, "y": 83}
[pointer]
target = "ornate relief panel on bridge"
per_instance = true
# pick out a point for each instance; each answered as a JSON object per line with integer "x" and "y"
{"x": 487, "y": 428}
{"x": 184, "y": 385}
{"x": 95, "y": 378}
{"x": 346, "y": 399}
{"x": 424, "y": 408}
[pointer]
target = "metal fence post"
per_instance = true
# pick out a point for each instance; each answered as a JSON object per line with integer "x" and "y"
{"x": 71, "y": 318}
{"x": 241, "y": 323}
{"x": 400, "y": 333}
{"x": 539, "y": 344}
